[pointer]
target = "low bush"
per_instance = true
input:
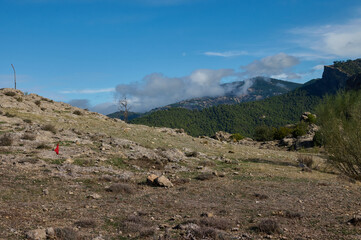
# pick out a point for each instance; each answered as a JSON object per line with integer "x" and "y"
{"x": 300, "y": 129}
{"x": 7, "y": 114}
{"x": 43, "y": 146}
{"x": 28, "y": 136}
{"x": 6, "y": 140}
{"x": 237, "y": 137}
{"x": 205, "y": 176}
{"x": 10, "y": 94}
{"x": 49, "y": 128}
{"x": 77, "y": 112}
{"x": 318, "y": 139}
{"x": 311, "y": 119}
{"x": 121, "y": 188}
{"x": 27, "y": 120}
{"x": 268, "y": 226}
{"x": 281, "y": 133}
{"x": 37, "y": 102}
{"x": 264, "y": 133}
{"x": 305, "y": 160}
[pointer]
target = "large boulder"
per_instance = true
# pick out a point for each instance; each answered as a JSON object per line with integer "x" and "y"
{"x": 222, "y": 136}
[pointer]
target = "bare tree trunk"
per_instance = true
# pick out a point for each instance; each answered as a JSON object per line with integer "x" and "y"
{"x": 14, "y": 74}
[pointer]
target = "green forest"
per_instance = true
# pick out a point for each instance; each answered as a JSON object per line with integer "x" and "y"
{"x": 241, "y": 118}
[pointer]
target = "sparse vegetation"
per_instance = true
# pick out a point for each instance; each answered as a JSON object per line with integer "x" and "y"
{"x": 37, "y": 102}
{"x": 19, "y": 99}
{"x": 49, "y": 128}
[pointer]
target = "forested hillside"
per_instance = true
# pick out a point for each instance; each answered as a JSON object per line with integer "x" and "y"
{"x": 242, "y": 118}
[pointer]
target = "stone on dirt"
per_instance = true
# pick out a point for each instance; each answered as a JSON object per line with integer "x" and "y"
{"x": 37, "y": 234}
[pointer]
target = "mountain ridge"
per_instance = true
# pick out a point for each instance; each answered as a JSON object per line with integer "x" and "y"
{"x": 243, "y": 118}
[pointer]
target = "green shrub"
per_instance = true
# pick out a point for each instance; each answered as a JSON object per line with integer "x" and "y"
{"x": 264, "y": 133}
{"x": 311, "y": 118}
{"x": 300, "y": 129}
{"x": 37, "y": 102}
{"x": 237, "y": 137}
{"x": 281, "y": 133}
{"x": 340, "y": 128}
{"x": 19, "y": 99}
{"x": 318, "y": 139}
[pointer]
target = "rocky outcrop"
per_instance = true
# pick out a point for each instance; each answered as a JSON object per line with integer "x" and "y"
{"x": 222, "y": 136}
{"x": 332, "y": 80}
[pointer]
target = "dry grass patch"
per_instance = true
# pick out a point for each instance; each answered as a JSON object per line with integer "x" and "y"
{"x": 66, "y": 234}
{"x": 268, "y": 226}
{"x": 305, "y": 160}
{"x": 121, "y": 188}
{"x": 205, "y": 176}
{"x": 137, "y": 224}
{"x": 86, "y": 223}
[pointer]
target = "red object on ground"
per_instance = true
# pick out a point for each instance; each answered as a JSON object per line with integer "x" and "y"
{"x": 57, "y": 149}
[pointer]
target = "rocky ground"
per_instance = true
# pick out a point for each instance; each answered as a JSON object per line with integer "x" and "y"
{"x": 112, "y": 180}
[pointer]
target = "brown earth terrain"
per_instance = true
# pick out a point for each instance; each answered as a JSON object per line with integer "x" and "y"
{"x": 101, "y": 186}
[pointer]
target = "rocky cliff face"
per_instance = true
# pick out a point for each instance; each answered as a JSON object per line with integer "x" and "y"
{"x": 332, "y": 80}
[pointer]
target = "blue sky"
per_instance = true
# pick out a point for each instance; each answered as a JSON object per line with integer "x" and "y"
{"x": 161, "y": 51}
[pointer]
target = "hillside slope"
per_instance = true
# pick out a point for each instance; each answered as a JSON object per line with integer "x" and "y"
{"x": 96, "y": 188}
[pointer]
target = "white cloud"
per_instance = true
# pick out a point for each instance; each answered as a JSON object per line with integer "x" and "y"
{"x": 318, "y": 67}
{"x": 339, "y": 40}
{"x": 88, "y": 91}
{"x": 272, "y": 66}
{"x": 158, "y": 90}
{"x": 226, "y": 54}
